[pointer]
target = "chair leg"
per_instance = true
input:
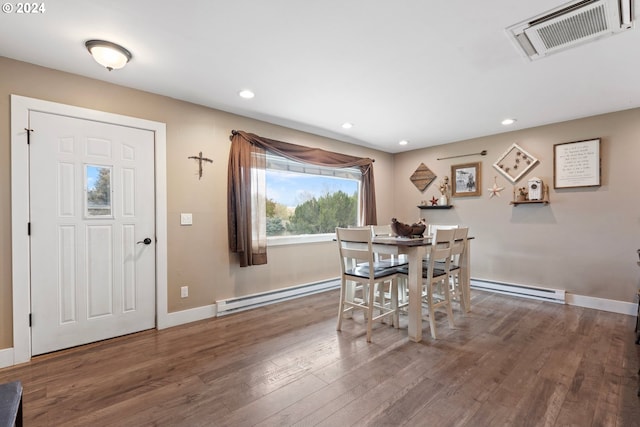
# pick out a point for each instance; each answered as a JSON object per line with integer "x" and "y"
{"x": 402, "y": 291}
{"x": 464, "y": 297}
{"x": 382, "y": 301}
{"x": 394, "y": 303}
{"x": 432, "y": 311}
{"x": 447, "y": 298}
{"x": 343, "y": 291}
{"x": 458, "y": 291}
{"x": 467, "y": 293}
{"x": 370, "y": 310}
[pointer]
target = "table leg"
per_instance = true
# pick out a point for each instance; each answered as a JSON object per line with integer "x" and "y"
{"x": 465, "y": 274}
{"x": 415, "y": 255}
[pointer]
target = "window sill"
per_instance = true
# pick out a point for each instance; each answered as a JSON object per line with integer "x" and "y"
{"x": 299, "y": 240}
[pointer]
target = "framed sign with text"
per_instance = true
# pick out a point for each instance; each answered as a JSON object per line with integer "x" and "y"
{"x": 576, "y": 164}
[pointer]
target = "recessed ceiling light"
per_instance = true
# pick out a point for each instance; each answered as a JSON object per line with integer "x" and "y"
{"x": 507, "y": 122}
{"x": 403, "y": 142}
{"x": 347, "y": 125}
{"x": 246, "y": 94}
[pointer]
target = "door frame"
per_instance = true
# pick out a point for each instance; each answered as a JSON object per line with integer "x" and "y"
{"x": 21, "y": 259}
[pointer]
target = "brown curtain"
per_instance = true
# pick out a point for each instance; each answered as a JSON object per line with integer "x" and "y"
{"x": 244, "y": 175}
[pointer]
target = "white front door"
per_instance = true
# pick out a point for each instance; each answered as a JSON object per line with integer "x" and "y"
{"x": 91, "y": 208}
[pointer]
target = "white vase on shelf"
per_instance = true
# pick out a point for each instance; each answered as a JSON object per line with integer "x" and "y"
{"x": 443, "y": 200}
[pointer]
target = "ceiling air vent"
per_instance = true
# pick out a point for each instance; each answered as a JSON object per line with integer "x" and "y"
{"x": 571, "y": 24}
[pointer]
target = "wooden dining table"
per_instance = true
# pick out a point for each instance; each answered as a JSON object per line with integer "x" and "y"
{"x": 416, "y": 249}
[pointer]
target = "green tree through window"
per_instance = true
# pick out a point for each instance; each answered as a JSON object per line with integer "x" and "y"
{"x": 306, "y": 199}
{"x": 324, "y": 214}
{"x": 99, "y": 193}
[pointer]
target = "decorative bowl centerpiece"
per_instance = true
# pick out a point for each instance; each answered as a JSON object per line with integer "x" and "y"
{"x": 406, "y": 230}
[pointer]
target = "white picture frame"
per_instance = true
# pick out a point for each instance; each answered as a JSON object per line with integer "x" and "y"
{"x": 514, "y": 163}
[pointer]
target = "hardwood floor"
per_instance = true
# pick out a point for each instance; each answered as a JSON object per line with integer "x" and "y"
{"x": 510, "y": 362}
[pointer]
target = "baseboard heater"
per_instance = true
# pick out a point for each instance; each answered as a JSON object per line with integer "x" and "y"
{"x": 234, "y": 305}
{"x": 545, "y": 294}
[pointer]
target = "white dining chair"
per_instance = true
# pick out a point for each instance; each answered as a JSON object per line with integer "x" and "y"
{"x": 393, "y": 260}
{"x": 435, "y": 277}
{"x": 360, "y": 272}
{"x": 386, "y": 231}
{"x": 457, "y": 289}
{"x": 431, "y": 229}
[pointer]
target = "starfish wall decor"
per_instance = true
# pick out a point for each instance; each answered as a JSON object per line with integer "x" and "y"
{"x": 495, "y": 190}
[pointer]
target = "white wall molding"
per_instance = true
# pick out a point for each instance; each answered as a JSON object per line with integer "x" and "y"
{"x": 603, "y": 304}
{"x": 187, "y": 316}
{"x": 6, "y": 357}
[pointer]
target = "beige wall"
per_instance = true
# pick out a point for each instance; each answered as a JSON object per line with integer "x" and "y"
{"x": 584, "y": 241}
{"x": 197, "y": 255}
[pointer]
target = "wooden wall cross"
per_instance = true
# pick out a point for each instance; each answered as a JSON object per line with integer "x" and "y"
{"x": 200, "y": 159}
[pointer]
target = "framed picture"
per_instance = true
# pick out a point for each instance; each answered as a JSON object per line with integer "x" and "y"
{"x": 576, "y": 164}
{"x": 514, "y": 163}
{"x": 466, "y": 180}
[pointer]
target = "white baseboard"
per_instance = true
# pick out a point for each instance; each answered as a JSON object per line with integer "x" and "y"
{"x": 172, "y": 319}
{"x": 6, "y": 357}
{"x": 187, "y": 316}
{"x": 603, "y": 304}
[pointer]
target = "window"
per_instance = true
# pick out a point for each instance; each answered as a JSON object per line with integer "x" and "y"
{"x": 247, "y": 190}
{"x": 304, "y": 199}
{"x": 98, "y": 191}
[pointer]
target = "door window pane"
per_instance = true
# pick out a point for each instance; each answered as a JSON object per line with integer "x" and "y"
{"x": 98, "y": 191}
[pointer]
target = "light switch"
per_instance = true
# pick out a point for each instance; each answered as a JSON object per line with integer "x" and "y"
{"x": 186, "y": 219}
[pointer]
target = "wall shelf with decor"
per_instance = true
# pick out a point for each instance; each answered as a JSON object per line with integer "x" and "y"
{"x": 435, "y": 207}
{"x": 528, "y": 202}
{"x": 536, "y": 192}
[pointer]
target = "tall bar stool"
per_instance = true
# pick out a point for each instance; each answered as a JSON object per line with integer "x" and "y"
{"x": 435, "y": 277}
{"x": 458, "y": 289}
{"x": 394, "y": 261}
{"x": 361, "y": 273}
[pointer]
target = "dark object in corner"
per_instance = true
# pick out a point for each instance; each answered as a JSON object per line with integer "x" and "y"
{"x": 11, "y": 404}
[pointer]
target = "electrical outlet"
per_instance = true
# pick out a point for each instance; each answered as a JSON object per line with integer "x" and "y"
{"x": 184, "y": 292}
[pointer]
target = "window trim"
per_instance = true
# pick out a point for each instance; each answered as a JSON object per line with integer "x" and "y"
{"x": 299, "y": 239}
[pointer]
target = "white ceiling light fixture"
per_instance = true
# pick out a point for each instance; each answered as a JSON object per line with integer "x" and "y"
{"x": 347, "y": 125}
{"x": 507, "y": 122}
{"x": 246, "y": 94}
{"x": 110, "y": 55}
{"x": 403, "y": 142}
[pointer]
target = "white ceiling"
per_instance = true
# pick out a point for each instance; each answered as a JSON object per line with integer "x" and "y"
{"x": 431, "y": 72}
